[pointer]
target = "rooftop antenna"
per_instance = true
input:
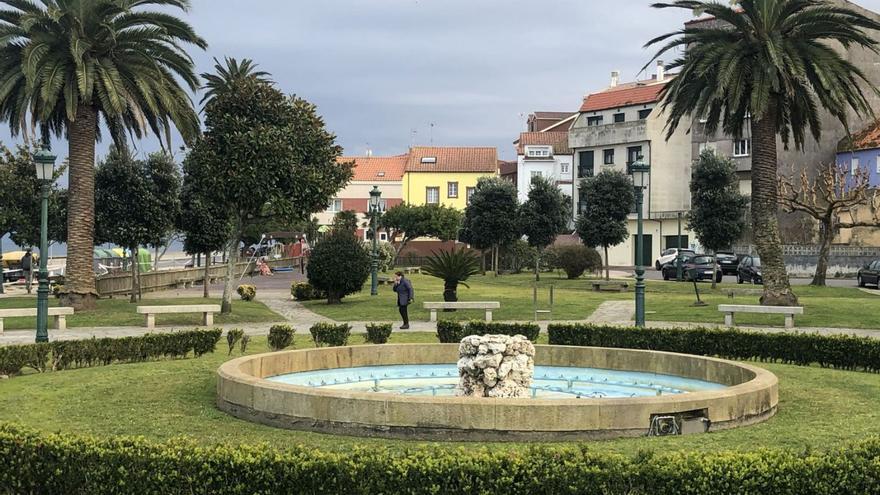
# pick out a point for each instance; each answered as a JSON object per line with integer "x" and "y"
{"x": 369, "y": 153}
{"x": 413, "y": 132}
{"x": 432, "y": 134}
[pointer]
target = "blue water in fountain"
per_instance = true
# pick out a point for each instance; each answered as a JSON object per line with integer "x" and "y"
{"x": 549, "y": 382}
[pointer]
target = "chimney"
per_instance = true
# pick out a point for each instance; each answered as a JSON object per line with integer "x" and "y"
{"x": 615, "y": 78}
{"x": 661, "y": 71}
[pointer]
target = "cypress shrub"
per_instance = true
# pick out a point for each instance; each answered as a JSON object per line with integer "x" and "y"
{"x": 280, "y": 337}
{"x": 330, "y": 334}
{"x": 232, "y": 338}
{"x": 247, "y": 292}
{"x": 378, "y": 333}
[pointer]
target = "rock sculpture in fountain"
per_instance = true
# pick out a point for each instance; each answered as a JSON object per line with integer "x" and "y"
{"x": 495, "y": 366}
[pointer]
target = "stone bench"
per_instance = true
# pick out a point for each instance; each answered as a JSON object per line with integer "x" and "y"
{"x": 207, "y": 311}
{"x": 412, "y": 269}
{"x": 383, "y": 280}
{"x": 601, "y": 285}
{"x": 789, "y": 311}
{"x": 60, "y": 315}
{"x": 488, "y": 306}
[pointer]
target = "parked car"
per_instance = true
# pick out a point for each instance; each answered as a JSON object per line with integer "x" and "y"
{"x": 669, "y": 255}
{"x": 728, "y": 261}
{"x": 697, "y": 267}
{"x": 870, "y": 274}
{"x": 749, "y": 270}
{"x": 670, "y": 269}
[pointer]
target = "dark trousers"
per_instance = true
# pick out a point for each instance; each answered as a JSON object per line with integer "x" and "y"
{"x": 404, "y": 313}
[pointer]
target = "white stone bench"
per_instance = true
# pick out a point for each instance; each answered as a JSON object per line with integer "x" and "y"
{"x": 207, "y": 311}
{"x": 788, "y": 311}
{"x": 600, "y": 285}
{"x": 488, "y": 306}
{"x": 60, "y": 315}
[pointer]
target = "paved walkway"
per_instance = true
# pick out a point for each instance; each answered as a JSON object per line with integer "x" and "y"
{"x": 614, "y": 312}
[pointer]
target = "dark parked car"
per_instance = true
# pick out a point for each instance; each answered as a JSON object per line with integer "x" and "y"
{"x": 749, "y": 270}
{"x": 697, "y": 267}
{"x": 870, "y": 274}
{"x": 727, "y": 261}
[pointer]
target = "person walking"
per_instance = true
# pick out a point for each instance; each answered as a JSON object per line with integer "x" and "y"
{"x": 405, "y": 295}
{"x": 27, "y": 266}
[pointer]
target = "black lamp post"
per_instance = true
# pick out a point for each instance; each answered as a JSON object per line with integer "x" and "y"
{"x": 375, "y": 208}
{"x": 640, "y": 171}
{"x": 45, "y": 163}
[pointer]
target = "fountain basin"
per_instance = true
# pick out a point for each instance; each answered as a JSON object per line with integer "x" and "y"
{"x": 253, "y": 388}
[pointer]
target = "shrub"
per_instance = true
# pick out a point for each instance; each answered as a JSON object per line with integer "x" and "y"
{"x": 68, "y": 354}
{"x": 518, "y": 256}
{"x": 247, "y": 292}
{"x": 331, "y": 334}
{"x": 386, "y": 254}
{"x": 303, "y": 291}
{"x": 451, "y": 332}
{"x": 378, "y": 333}
{"x": 837, "y": 351}
{"x": 39, "y": 462}
{"x": 245, "y": 340}
{"x": 575, "y": 259}
{"x": 56, "y": 289}
{"x": 280, "y": 337}
{"x": 232, "y": 338}
{"x": 339, "y": 266}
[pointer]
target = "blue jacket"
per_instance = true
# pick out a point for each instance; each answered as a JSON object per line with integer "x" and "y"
{"x": 405, "y": 293}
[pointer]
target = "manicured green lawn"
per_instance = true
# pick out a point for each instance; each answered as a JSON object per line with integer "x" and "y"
{"x": 818, "y": 408}
{"x": 574, "y": 300}
{"x": 120, "y": 312}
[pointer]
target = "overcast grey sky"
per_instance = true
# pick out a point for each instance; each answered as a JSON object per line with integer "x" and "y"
{"x": 381, "y": 71}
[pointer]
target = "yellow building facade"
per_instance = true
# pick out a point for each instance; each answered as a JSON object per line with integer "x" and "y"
{"x": 446, "y": 175}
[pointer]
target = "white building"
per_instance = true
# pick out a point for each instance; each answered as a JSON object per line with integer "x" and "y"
{"x": 543, "y": 154}
{"x": 616, "y": 126}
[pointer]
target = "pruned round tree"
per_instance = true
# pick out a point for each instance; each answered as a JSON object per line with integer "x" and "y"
{"x": 609, "y": 198}
{"x": 203, "y": 222}
{"x": 405, "y": 222}
{"x": 490, "y": 219}
{"x": 339, "y": 265}
{"x": 545, "y": 214}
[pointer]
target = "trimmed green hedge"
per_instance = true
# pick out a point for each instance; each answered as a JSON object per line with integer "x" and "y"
{"x": 377, "y": 333}
{"x": 451, "y": 332}
{"x": 67, "y": 354}
{"x": 280, "y": 337}
{"x": 330, "y": 334}
{"x": 830, "y": 351}
{"x": 36, "y": 462}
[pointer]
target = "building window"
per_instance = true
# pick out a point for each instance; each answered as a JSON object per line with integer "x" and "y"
{"x": 742, "y": 147}
{"x": 383, "y": 236}
{"x": 335, "y": 206}
{"x": 854, "y": 166}
{"x": 468, "y": 193}
{"x": 706, "y": 146}
{"x": 878, "y": 164}
{"x": 383, "y": 205}
{"x": 608, "y": 157}
{"x": 538, "y": 151}
{"x": 643, "y": 114}
{"x": 452, "y": 189}
{"x": 597, "y": 120}
{"x": 432, "y": 195}
{"x": 537, "y": 173}
{"x": 619, "y": 117}
{"x": 565, "y": 168}
{"x": 632, "y": 154}
{"x": 585, "y": 164}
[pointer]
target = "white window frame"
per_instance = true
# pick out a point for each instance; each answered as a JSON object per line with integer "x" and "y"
{"x": 428, "y": 191}
{"x": 738, "y": 152}
{"x": 383, "y": 236}
{"x": 331, "y": 208}
{"x": 537, "y": 173}
{"x": 468, "y": 193}
{"x": 878, "y": 164}
{"x": 452, "y": 189}
{"x": 538, "y": 152}
{"x": 854, "y": 165}
{"x": 565, "y": 168}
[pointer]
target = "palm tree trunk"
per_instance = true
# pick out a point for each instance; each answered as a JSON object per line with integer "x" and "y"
{"x": 828, "y": 233}
{"x": 79, "y": 274}
{"x": 207, "y": 273}
{"x": 765, "y": 224}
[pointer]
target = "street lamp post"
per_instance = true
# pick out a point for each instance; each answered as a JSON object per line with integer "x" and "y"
{"x": 375, "y": 210}
{"x": 45, "y": 163}
{"x": 639, "y": 171}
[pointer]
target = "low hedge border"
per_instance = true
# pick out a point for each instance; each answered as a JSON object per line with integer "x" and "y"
{"x": 68, "y": 354}
{"x": 847, "y": 352}
{"x": 451, "y": 332}
{"x": 35, "y": 462}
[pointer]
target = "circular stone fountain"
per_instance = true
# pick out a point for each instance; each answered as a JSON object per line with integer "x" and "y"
{"x": 408, "y": 391}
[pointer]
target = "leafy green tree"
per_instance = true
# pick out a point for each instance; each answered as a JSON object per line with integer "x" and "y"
{"x": 453, "y": 267}
{"x": 263, "y": 154}
{"x": 490, "y": 219}
{"x": 345, "y": 221}
{"x": 132, "y": 205}
{"x": 70, "y": 66}
{"x": 610, "y": 198}
{"x": 203, "y": 222}
{"x": 339, "y": 265}
{"x": 405, "y": 222}
{"x": 544, "y": 215}
{"x": 575, "y": 259}
{"x": 718, "y": 209}
{"x": 164, "y": 175}
{"x": 771, "y": 66}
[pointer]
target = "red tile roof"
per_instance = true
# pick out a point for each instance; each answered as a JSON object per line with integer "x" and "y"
{"x": 377, "y": 168}
{"x": 623, "y": 96}
{"x": 557, "y": 139}
{"x": 507, "y": 168}
{"x": 453, "y": 159}
{"x": 552, "y": 115}
{"x": 866, "y": 139}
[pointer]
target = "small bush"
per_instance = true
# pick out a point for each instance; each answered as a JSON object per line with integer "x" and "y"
{"x": 378, "y": 333}
{"x": 303, "y": 291}
{"x": 330, "y": 334}
{"x": 339, "y": 266}
{"x": 56, "y": 289}
{"x": 451, "y": 332}
{"x": 247, "y": 292}
{"x": 280, "y": 337}
{"x": 232, "y": 338}
{"x": 245, "y": 340}
{"x": 576, "y": 259}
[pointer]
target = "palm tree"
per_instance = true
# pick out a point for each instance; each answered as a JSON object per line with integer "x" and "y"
{"x": 229, "y": 75}
{"x": 453, "y": 267}
{"x": 769, "y": 64}
{"x": 67, "y": 67}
